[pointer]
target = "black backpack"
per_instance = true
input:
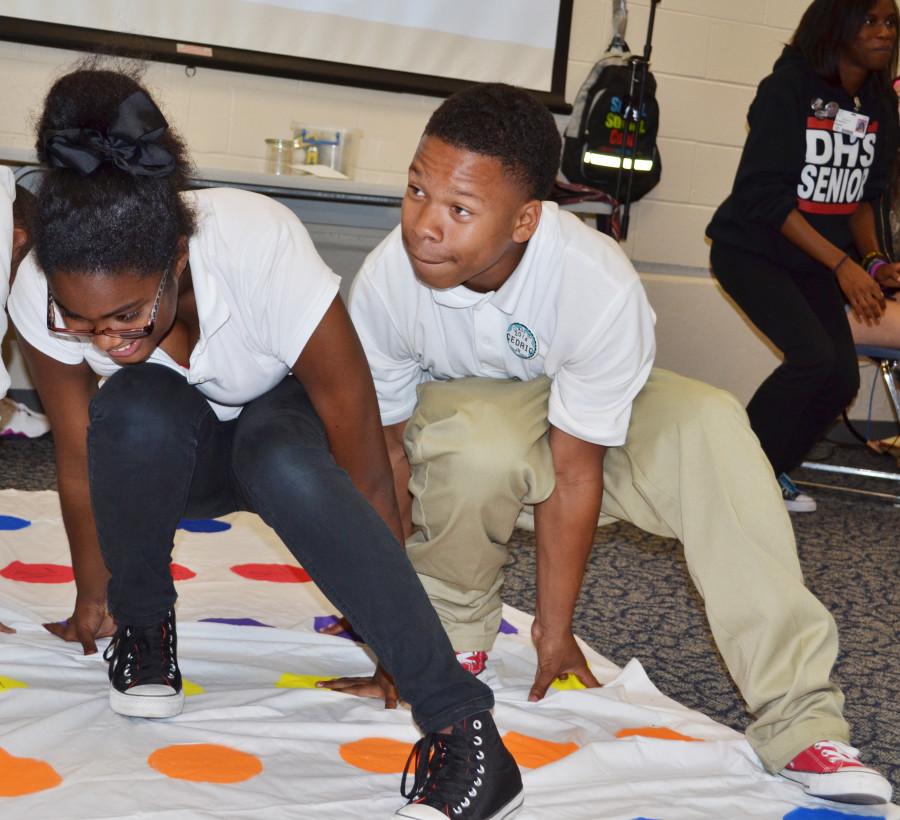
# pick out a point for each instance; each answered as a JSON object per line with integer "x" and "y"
{"x": 593, "y": 149}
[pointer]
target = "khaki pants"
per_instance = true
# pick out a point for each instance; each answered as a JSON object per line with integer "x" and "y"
{"x": 690, "y": 469}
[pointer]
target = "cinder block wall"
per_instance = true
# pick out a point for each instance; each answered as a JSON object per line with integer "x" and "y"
{"x": 708, "y": 57}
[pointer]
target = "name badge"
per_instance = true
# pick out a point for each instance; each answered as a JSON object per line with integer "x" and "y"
{"x": 851, "y": 123}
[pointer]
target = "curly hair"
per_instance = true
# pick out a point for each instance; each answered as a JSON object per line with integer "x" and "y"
{"x": 109, "y": 221}
{"x": 24, "y": 209}
{"x": 502, "y": 121}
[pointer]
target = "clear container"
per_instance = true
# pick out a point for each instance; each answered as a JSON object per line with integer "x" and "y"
{"x": 279, "y": 156}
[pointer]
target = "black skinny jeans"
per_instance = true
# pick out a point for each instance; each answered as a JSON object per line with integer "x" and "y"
{"x": 802, "y": 313}
{"x": 158, "y": 453}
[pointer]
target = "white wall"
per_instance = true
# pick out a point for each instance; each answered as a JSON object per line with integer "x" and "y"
{"x": 708, "y": 57}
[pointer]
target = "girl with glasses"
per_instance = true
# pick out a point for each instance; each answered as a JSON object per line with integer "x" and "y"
{"x": 233, "y": 381}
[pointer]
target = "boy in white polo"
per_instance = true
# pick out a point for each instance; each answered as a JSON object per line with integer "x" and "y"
{"x": 511, "y": 348}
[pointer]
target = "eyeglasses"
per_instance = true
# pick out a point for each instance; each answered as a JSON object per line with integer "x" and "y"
{"x": 125, "y": 333}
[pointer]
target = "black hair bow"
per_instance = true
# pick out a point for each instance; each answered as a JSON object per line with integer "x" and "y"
{"x": 130, "y": 142}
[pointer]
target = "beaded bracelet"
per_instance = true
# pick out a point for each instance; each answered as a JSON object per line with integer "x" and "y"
{"x": 874, "y": 266}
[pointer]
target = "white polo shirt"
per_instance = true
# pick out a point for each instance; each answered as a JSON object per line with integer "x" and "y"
{"x": 261, "y": 290}
{"x": 574, "y": 309}
{"x": 7, "y": 197}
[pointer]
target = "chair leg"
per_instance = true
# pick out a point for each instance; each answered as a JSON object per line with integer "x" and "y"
{"x": 890, "y": 372}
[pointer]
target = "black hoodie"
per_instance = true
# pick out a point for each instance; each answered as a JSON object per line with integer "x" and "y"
{"x": 794, "y": 159}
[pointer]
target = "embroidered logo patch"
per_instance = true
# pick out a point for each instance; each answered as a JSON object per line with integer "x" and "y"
{"x": 521, "y": 341}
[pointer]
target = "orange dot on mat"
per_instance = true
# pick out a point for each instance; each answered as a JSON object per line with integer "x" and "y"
{"x": 205, "y": 763}
{"x": 279, "y": 573}
{"x": 25, "y": 775}
{"x": 38, "y": 573}
{"x": 532, "y": 752}
{"x": 376, "y": 754}
{"x": 181, "y": 573}
{"x": 657, "y": 732}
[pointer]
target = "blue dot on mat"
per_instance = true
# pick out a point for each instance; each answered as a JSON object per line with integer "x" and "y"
{"x": 10, "y": 522}
{"x": 203, "y": 525}
{"x": 827, "y": 814}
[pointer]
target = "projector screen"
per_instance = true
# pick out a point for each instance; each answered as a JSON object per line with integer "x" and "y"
{"x": 422, "y": 46}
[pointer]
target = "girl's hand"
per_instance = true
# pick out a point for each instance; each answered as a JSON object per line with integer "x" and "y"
{"x": 863, "y": 293}
{"x": 90, "y": 620}
{"x": 888, "y": 275}
{"x": 380, "y": 685}
{"x": 7, "y": 629}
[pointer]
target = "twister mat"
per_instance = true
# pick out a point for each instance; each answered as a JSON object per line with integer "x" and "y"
{"x": 258, "y": 741}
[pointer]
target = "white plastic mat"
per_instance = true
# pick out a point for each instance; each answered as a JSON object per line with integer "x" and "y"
{"x": 256, "y": 740}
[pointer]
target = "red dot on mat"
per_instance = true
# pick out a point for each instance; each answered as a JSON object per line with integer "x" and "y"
{"x": 38, "y": 573}
{"x": 181, "y": 573}
{"x": 279, "y": 573}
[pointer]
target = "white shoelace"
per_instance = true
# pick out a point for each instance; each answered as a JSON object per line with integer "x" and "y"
{"x": 836, "y": 752}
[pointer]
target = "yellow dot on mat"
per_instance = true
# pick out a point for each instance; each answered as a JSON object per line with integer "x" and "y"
{"x": 570, "y": 682}
{"x": 291, "y": 681}
{"x": 191, "y": 688}
{"x": 10, "y": 683}
{"x": 205, "y": 763}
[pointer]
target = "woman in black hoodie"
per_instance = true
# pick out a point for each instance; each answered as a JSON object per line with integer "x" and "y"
{"x": 796, "y": 240}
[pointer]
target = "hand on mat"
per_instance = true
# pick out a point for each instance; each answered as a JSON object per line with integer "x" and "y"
{"x": 558, "y": 657}
{"x": 863, "y": 293}
{"x": 90, "y": 620}
{"x": 339, "y": 626}
{"x": 380, "y": 685}
{"x": 7, "y": 629}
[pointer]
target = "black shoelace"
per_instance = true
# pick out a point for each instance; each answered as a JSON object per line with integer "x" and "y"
{"x": 447, "y": 770}
{"x": 147, "y": 654}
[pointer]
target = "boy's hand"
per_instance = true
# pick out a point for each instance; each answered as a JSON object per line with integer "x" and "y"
{"x": 558, "y": 657}
{"x": 380, "y": 685}
{"x": 90, "y": 620}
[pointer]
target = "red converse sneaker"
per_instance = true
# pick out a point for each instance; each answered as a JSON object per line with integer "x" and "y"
{"x": 473, "y": 662}
{"x": 831, "y": 770}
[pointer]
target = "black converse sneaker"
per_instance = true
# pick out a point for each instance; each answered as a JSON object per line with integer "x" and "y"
{"x": 467, "y": 774}
{"x": 143, "y": 670}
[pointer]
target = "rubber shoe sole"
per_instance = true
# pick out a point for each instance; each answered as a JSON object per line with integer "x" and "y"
{"x": 801, "y": 504}
{"x": 153, "y": 701}
{"x": 862, "y": 787}
{"x": 416, "y": 811}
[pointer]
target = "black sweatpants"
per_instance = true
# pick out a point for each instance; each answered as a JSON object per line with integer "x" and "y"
{"x": 801, "y": 313}
{"x": 158, "y": 453}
